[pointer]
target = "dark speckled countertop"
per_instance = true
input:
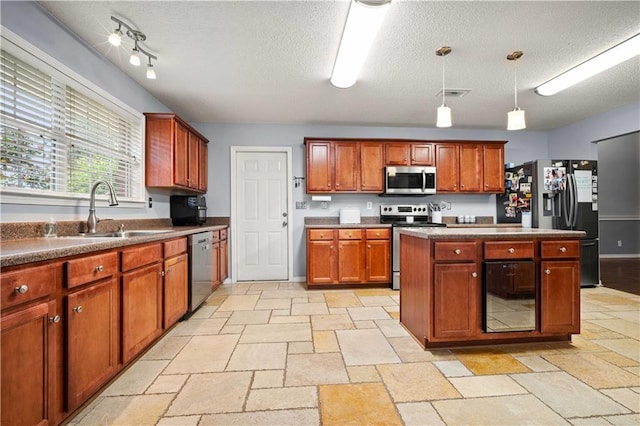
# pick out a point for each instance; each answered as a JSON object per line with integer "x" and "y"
{"x": 490, "y": 233}
{"x": 334, "y": 222}
{"x": 22, "y": 251}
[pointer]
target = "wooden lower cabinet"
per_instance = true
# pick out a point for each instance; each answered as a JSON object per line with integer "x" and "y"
{"x": 92, "y": 325}
{"x": 28, "y": 365}
{"x": 224, "y": 257}
{"x": 141, "y": 309}
{"x": 348, "y": 256}
{"x": 175, "y": 292}
{"x": 456, "y": 300}
{"x": 560, "y": 296}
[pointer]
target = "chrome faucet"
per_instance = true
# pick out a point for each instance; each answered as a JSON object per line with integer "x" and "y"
{"x": 92, "y": 221}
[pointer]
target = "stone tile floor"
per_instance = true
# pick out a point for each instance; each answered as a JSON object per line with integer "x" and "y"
{"x": 276, "y": 354}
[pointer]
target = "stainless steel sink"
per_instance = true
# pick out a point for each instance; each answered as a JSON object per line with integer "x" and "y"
{"x": 126, "y": 234}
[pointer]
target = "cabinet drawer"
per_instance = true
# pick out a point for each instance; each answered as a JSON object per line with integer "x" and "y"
{"x": 223, "y": 234}
{"x": 378, "y": 234}
{"x": 350, "y": 234}
{"x": 455, "y": 250}
{"x": 28, "y": 284}
{"x": 508, "y": 250}
{"x": 216, "y": 236}
{"x": 175, "y": 247}
{"x": 559, "y": 249}
{"x": 91, "y": 268}
{"x": 320, "y": 234}
{"x": 140, "y": 256}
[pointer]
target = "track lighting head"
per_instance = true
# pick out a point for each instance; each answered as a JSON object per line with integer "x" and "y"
{"x": 134, "y": 59}
{"x": 151, "y": 73}
{"x": 115, "y": 38}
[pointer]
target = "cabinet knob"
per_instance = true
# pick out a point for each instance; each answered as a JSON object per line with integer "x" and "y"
{"x": 349, "y": 235}
{"x": 162, "y": 273}
{"x": 337, "y": 184}
{"x": 511, "y": 250}
{"x": 329, "y": 185}
{"x": 377, "y": 234}
{"x": 369, "y": 246}
{"x": 462, "y": 185}
{"x": 54, "y": 319}
{"x": 22, "y": 289}
{"x": 457, "y": 251}
{"x": 321, "y": 235}
{"x": 99, "y": 268}
{"x": 78, "y": 309}
{"x": 563, "y": 249}
{"x": 474, "y": 274}
{"x": 331, "y": 247}
{"x": 547, "y": 271}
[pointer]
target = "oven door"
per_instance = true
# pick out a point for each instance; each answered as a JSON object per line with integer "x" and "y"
{"x": 410, "y": 180}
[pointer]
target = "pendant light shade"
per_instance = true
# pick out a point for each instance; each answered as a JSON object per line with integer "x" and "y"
{"x": 115, "y": 38}
{"x": 134, "y": 59}
{"x": 515, "y": 118}
{"x": 444, "y": 112}
{"x": 444, "y": 116}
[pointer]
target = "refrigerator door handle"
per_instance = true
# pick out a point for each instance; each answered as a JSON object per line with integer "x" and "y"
{"x": 565, "y": 213}
{"x": 571, "y": 197}
{"x": 575, "y": 200}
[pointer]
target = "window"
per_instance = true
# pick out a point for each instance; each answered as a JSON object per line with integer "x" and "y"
{"x": 56, "y": 141}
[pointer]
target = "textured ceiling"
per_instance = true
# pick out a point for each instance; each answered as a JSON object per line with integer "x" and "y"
{"x": 270, "y": 62}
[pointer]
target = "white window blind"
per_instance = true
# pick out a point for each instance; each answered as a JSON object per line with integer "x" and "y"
{"x": 58, "y": 141}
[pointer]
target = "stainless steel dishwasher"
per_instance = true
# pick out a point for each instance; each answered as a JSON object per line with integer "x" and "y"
{"x": 200, "y": 269}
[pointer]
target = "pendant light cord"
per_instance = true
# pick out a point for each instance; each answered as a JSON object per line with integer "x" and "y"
{"x": 443, "y": 91}
{"x": 515, "y": 82}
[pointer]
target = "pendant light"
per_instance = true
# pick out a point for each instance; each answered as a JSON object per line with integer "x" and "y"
{"x": 515, "y": 118}
{"x": 444, "y": 112}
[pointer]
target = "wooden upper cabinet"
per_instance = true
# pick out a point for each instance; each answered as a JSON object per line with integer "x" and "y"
{"x": 493, "y": 170}
{"x": 397, "y": 153}
{"x": 471, "y": 168}
{"x": 371, "y": 166}
{"x": 448, "y": 166}
{"x": 203, "y": 160}
{"x": 347, "y": 166}
{"x": 319, "y": 166}
{"x": 422, "y": 154}
{"x": 174, "y": 155}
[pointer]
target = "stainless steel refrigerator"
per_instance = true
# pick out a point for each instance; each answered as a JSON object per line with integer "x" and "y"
{"x": 559, "y": 194}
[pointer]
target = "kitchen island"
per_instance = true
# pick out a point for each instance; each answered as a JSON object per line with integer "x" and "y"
{"x": 473, "y": 286}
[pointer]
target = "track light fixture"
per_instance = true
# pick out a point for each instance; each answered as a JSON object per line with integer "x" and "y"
{"x": 115, "y": 39}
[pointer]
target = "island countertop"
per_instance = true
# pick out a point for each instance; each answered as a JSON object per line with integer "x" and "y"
{"x": 489, "y": 233}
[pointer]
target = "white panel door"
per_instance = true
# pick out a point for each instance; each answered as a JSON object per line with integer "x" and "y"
{"x": 261, "y": 185}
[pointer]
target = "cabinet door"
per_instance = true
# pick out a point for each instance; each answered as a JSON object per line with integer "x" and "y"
{"x": 397, "y": 154}
{"x": 203, "y": 161}
{"x": 378, "y": 261}
{"x": 93, "y": 325}
{"x": 193, "y": 168}
{"x": 560, "y": 297}
{"x": 319, "y": 167}
{"x": 321, "y": 262}
{"x": 181, "y": 156}
{"x": 351, "y": 262}
{"x": 493, "y": 172}
{"x": 28, "y": 365}
{"x": 447, "y": 164}
{"x": 141, "y": 309}
{"x": 422, "y": 154}
{"x": 224, "y": 260}
{"x": 347, "y": 166}
{"x": 175, "y": 289}
{"x": 215, "y": 262}
{"x": 470, "y": 168}
{"x": 371, "y": 167}
{"x": 456, "y": 300}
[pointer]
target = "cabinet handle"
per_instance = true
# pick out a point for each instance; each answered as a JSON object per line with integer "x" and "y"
{"x": 78, "y": 309}
{"x": 22, "y": 289}
{"x": 369, "y": 246}
{"x": 337, "y": 184}
{"x": 563, "y": 249}
{"x": 54, "y": 319}
{"x": 331, "y": 247}
{"x": 99, "y": 268}
{"x": 474, "y": 274}
{"x": 349, "y": 235}
{"x": 329, "y": 185}
{"x": 457, "y": 251}
{"x": 511, "y": 250}
{"x": 462, "y": 185}
{"x": 377, "y": 234}
{"x": 547, "y": 271}
{"x": 162, "y": 273}
{"x": 321, "y": 235}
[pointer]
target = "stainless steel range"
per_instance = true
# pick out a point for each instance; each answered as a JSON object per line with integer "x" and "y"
{"x": 403, "y": 216}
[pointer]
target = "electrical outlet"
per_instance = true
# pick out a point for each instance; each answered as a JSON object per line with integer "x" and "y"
{"x": 619, "y": 243}
{"x": 301, "y": 205}
{"x": 448, "y": 205}
{"x": 324, "y": 205}
{"x": 369, "y": 205}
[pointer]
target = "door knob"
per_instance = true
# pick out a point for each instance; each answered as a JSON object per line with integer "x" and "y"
{"x": 284, "y": 214}
{"x": 284, "y": 223}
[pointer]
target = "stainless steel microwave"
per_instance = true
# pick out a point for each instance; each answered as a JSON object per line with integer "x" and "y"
{"x": 414, "y": 180}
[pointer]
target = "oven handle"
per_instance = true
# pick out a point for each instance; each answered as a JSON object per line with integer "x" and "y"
{"x": 424, "y": 180}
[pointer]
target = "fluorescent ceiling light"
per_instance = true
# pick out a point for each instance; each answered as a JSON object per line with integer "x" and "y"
{"x": 363, "y": 22}
{"x": 605, "y": 60}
